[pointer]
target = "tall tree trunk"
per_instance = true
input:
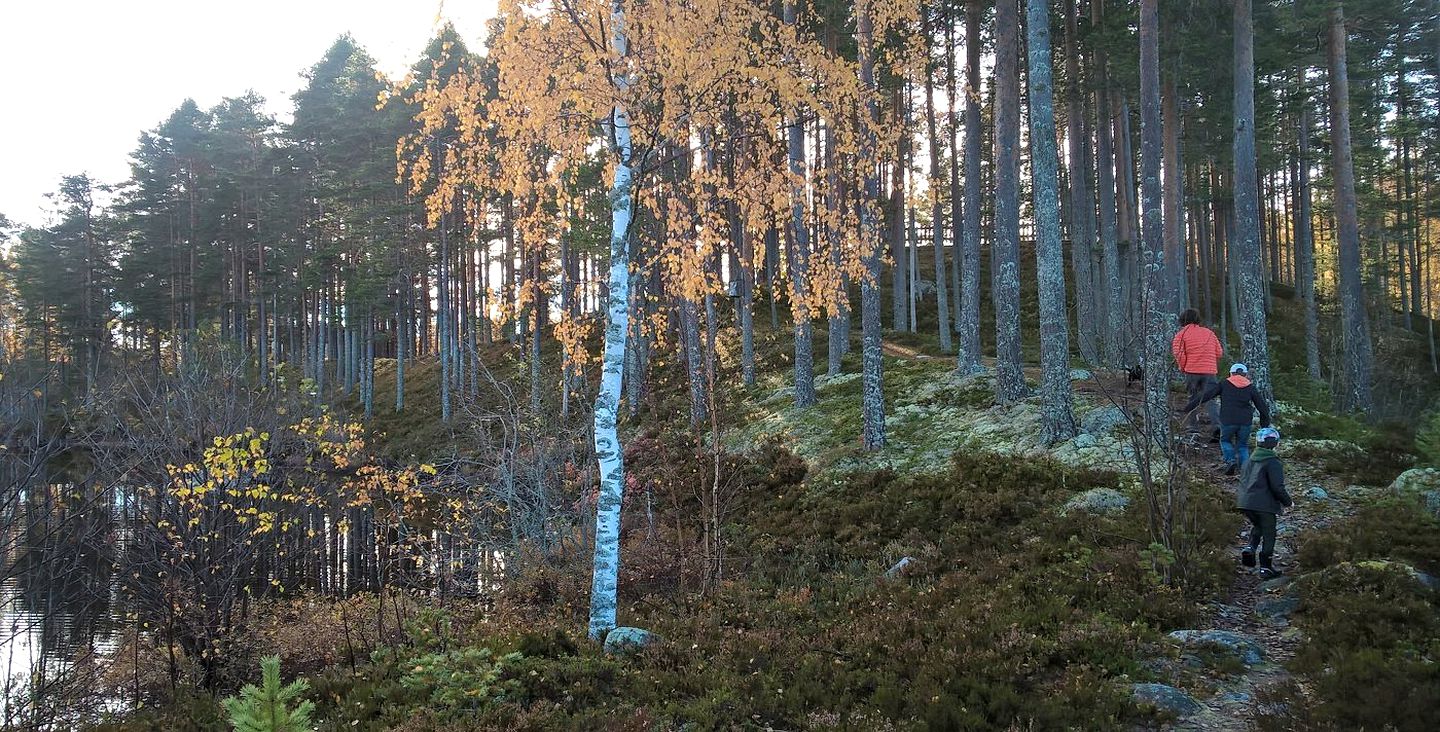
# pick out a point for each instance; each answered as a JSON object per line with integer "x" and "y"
{"x": 872, "y": 396}
{"x": 900, "y": 270}
{"x": 690, "y": 340}
{"x": 1176, "y": 296}
{"x": 1082, "y": 204}
{"x": 968, "y": 353}
{"x": 608, "y": 451}
{"x": 1113, "y": 317}
{"x": 1005, "y": 249}
{"x": 838, "y": 343}
{"x": 744, "y": 244}
{"x": 937, "y": 207}
{"x": 1245, "y": 249}
{"x": 1158, "y": 309}
{"x": 957, "y": 213}
{"x": 1057, "y": 417}
{"x": 772, "y": 263}
{"x": 1305, "y": 244}
{"x": 1354, "y": 324}
{"x": 799, "y": 256}
{"x": 537, "y": 325}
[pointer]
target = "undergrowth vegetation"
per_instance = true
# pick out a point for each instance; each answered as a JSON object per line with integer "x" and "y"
{"x": 1371, "y": 614}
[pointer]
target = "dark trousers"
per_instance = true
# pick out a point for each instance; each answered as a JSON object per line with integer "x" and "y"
{"x": 1262, "y": 534}
{"x": 1195, "y": 384}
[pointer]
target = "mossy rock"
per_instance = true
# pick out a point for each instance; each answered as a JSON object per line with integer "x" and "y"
{"x": 1103, "y": 420}
{"x": 1313, "y": 449}
{"x": 623, "y": 641}
{"x": 1277, "y": 607}
{"x": 1098, "y": 502}
{"x": 1165, "y": 698}
{"x": 1242, "y": 647}
{"x": 1422, "y": 483}
{"x": 1426, "y": 580}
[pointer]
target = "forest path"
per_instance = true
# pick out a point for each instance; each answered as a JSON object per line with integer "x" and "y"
{"x": 1259, "y": 610}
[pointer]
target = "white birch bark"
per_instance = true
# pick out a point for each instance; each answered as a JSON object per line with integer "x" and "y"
{"x": 608, "y": 451}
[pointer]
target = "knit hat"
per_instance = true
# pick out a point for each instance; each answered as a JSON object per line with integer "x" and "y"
{"x": 1267, "y": 433}
{"x": 1239, "y": 368}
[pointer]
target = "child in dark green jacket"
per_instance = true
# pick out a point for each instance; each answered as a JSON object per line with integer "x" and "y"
{"x": 1262, "y": 497}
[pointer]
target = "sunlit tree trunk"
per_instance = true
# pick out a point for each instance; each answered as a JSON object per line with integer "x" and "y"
{"x": 1176, "y": 295}
{"x": 1113, "y": 317}
{"x": 1354, "y": 323}
{"x": 1305, "y": 245}
{"x": 937, "y": 210}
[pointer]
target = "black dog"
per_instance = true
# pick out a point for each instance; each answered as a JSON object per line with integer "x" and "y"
{"x": 1133, "y": 374}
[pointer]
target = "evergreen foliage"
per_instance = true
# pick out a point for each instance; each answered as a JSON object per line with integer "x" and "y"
{"x": 267, "y": 707}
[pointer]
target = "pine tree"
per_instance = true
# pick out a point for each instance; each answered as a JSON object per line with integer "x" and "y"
{"x": 1245, "y": 248}
{"x": 1005, "y": 248}
{"x": 968, "y": 353}
{"x": 266, "y": 708}
{"x": 1057, "y": 415}
{"x": 1354, "y": 323}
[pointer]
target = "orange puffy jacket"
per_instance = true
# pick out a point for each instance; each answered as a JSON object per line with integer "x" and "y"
{"x": 1197, "y": 350}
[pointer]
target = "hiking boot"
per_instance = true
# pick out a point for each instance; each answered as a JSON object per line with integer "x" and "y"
{"x": 1232, "y": 468}
{"x": 1247, "y": 557}
{"x": 1268, "y": 570}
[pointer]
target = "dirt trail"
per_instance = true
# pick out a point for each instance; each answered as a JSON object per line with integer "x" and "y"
{"x": 1260, "y": 610}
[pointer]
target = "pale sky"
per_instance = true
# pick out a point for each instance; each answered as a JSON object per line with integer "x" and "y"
{"x": 86, "y": 77}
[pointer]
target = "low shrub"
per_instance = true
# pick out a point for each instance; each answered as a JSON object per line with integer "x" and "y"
{"x": 1396, "y": 528}
{"x": 1372, "y": 648}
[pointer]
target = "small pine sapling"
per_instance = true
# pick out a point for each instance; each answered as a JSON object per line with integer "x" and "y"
{"x": 267, "y": 708}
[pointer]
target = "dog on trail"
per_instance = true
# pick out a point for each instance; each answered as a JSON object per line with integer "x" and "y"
{"x": 1133, "y": 374}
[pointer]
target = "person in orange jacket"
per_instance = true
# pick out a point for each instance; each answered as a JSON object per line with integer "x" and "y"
{"x": 1197, "y": 352}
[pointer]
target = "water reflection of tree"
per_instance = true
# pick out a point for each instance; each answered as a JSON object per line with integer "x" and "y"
{"x": 57, "y": 530}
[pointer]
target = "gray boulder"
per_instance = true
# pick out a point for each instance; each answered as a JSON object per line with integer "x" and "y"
{"x": 1098, "y": 502}
{"x": 1242, "y": 647}
{"x": 1081, "y": 375}
{"x": 1317, "y": 493}
{"x": 624, "y": 640}
{"x": 1165, "y": 698}
{"x": 1275, "y": 608}
{"x": 1103, "y": 420}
